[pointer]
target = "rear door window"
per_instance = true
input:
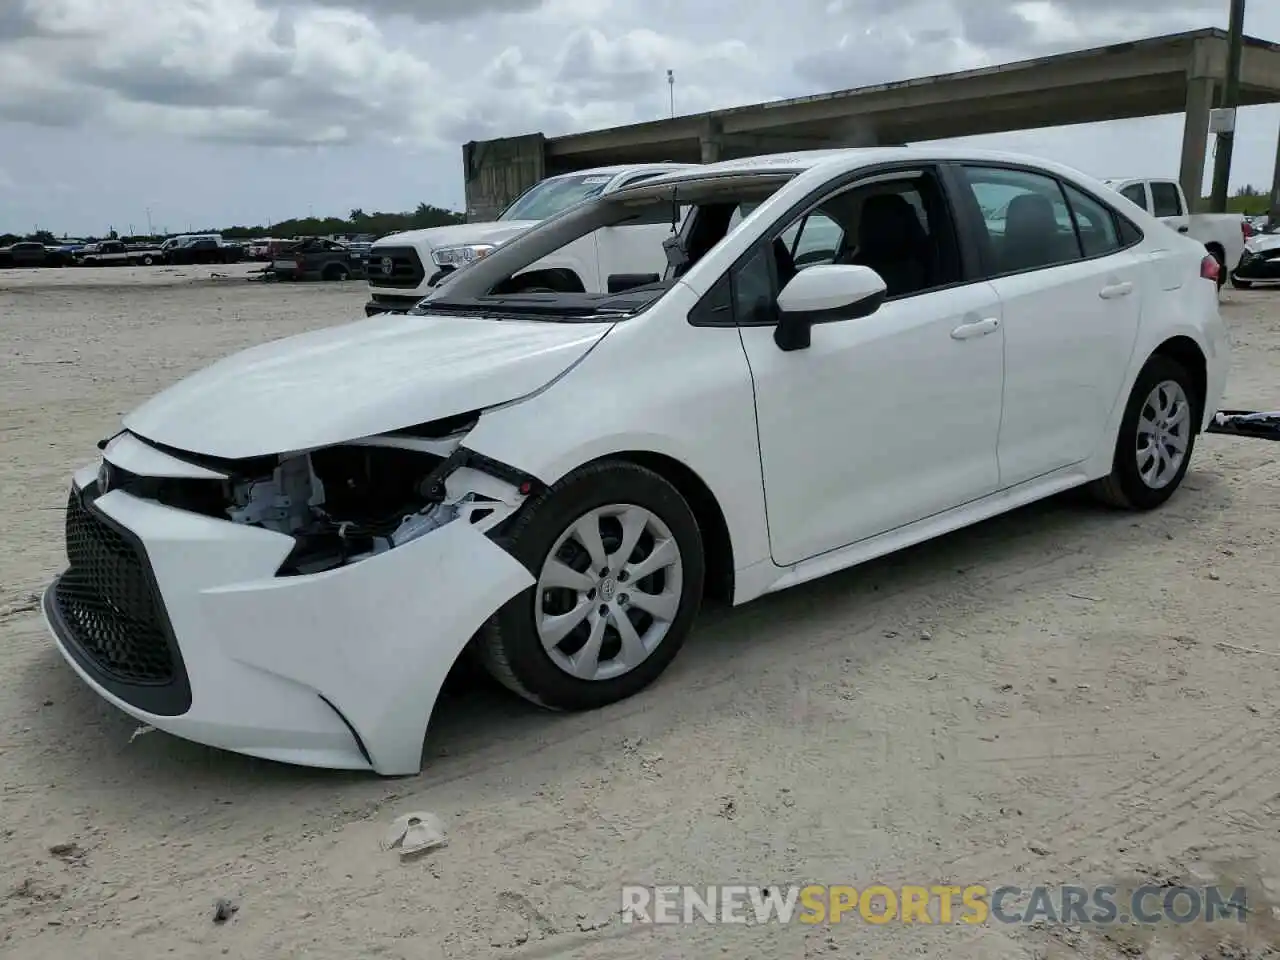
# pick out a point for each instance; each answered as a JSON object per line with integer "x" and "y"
{"x": 1165, "y": 201}
{"x": 1028, "y": 223}
{"x": 1095, "y": 223}
{"x": 1137, "y": 192}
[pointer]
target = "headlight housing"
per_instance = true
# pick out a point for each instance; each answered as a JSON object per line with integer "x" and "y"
{"x": 460, "y": 256}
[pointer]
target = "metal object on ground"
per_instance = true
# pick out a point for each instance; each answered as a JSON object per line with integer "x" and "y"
{"x": 1246, "y": 423}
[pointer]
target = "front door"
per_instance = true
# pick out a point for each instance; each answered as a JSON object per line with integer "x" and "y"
{"x": 889, "y": 418}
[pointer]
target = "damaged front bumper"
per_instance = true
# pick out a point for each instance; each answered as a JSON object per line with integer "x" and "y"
{"x": 1258, "y": 266}
{"x": 180, "y": 620}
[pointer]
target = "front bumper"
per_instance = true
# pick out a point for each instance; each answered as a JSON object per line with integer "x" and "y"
{"x": 339, "y": 669}
{"x": 1259, "y": 267}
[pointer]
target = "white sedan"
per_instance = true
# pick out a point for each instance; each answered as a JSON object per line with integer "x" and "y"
{"x": 850, "y": 351}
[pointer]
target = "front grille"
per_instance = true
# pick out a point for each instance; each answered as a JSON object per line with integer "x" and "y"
{"x": 406, "y": 267}
{"x": 108, "y": 605}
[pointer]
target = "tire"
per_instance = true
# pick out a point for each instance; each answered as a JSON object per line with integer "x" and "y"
{"x": 1241, "y": 284}
{"x": 510, "y": 646}
{"x": 1129, "y": 487}
{"x": 148, "y": 260}
{"x": 336, "y": 272}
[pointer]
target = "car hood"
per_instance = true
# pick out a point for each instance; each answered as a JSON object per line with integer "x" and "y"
{"x": 433, "y": 238}
{"x": 361, "y": 379}
{"x": 1263, "y": 242}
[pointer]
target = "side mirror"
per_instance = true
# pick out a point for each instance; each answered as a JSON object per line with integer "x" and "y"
{"x": 823, "y": 294}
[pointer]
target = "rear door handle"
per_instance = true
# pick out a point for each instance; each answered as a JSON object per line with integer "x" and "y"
{"x": 1184, "y": 229}
{"x": 979, "y": 328}
{"x": 1114, "y": 290}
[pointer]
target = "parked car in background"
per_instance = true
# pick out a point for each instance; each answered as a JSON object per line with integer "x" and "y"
{"x": 316, "y": 258}
{"x": 403, "y": 267}
{"x": 286, "y": 553}
{"x": 1261, "y": 261}
{"x": 116, "y": 253}
{"x": 206, "y": 249}
{"x": 28, "y": 253}
{"x": 1223, "y": 234}
{"x": 360, "y": 248}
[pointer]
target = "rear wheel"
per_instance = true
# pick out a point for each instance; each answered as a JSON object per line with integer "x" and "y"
{"x": 148, "y": 260}
{"x": 336, "y": 271}
{"x": 619, "y": 564}
{"x": 1156, "y": 438}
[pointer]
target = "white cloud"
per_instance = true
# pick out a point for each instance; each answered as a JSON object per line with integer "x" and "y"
{"x": 350, "y": 78}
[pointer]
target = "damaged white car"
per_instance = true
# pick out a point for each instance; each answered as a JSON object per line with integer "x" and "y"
{"x": 849, "y": 352}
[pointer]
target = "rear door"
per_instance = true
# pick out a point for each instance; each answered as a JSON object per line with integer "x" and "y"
{"x": 1070, "y": 286}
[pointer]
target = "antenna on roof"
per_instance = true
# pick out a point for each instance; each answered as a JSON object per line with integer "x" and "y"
{"x": 671, "y": 88}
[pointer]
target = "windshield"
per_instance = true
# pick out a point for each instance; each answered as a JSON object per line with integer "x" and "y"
{"x": 554, "y": 196}
{"x": 653, "y": 235}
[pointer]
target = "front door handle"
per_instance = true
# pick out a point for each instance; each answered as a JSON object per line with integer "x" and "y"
{"x": 1114, "y": 290}
{"x": 1184, "y": 229}
{"x": 979, "y": 328}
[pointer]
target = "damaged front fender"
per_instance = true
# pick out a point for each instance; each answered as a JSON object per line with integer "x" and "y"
{"x": 381, "y": 635}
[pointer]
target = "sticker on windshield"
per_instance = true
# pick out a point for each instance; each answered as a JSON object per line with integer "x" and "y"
{"x": 592, "y": 181}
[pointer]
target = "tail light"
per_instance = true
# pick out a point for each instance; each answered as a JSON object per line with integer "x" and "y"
{"x": 1209, "y": 269}
{"x": 1246, "y": 229}
{"x": 300, "y": 263}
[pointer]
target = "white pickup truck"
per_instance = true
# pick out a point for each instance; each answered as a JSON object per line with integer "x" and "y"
{"x": 403, "y": 267}
{"x": 1223, "y": 234}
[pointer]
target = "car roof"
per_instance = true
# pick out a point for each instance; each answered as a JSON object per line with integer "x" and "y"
{"x": 842, "y": 159}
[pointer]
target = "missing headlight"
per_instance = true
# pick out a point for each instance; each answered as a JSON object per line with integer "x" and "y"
{"x": 360, "y": 501}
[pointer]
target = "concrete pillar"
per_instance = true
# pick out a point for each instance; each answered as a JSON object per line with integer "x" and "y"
{"x": 1195, "y": 138}
{"x": 1274, "y": 209}
{"x": 495, "y": 172}
{"x": 711, "y": 141}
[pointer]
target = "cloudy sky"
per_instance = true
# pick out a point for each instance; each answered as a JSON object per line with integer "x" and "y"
{"x": 212, "y": 112}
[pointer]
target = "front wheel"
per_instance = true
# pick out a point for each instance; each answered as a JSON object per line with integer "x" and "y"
{"x": 1156, "y": 438}
{"x": 619, "y": 564}
{"x": 1241, "y": 284}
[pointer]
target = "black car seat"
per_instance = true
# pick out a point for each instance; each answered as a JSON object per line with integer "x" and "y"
{"x": 892, "y": 242}
{"x": 1032, "y": 235}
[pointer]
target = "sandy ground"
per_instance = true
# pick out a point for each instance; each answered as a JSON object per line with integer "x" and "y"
{"x": 1043, "y": 698}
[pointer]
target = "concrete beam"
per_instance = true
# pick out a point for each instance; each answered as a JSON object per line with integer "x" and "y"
{"x": 1195, "y": 138}
{"x": 1162, "y": 75}
{"x": 960, "y": 95}
{"x": 1274, "y": 208}
{"x": 751, "y": 144}
{"x": 495, "y": 172}
{"x": 1260, "y": 70}
{"x": 711, "y": 142}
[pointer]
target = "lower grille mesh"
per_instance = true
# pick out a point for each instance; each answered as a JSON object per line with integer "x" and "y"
{"x": 108, "y": 604}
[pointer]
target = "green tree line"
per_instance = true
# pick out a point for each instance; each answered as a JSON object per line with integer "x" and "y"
{"x": 1248, "y": 200}
{"x": 377, "y": 223}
